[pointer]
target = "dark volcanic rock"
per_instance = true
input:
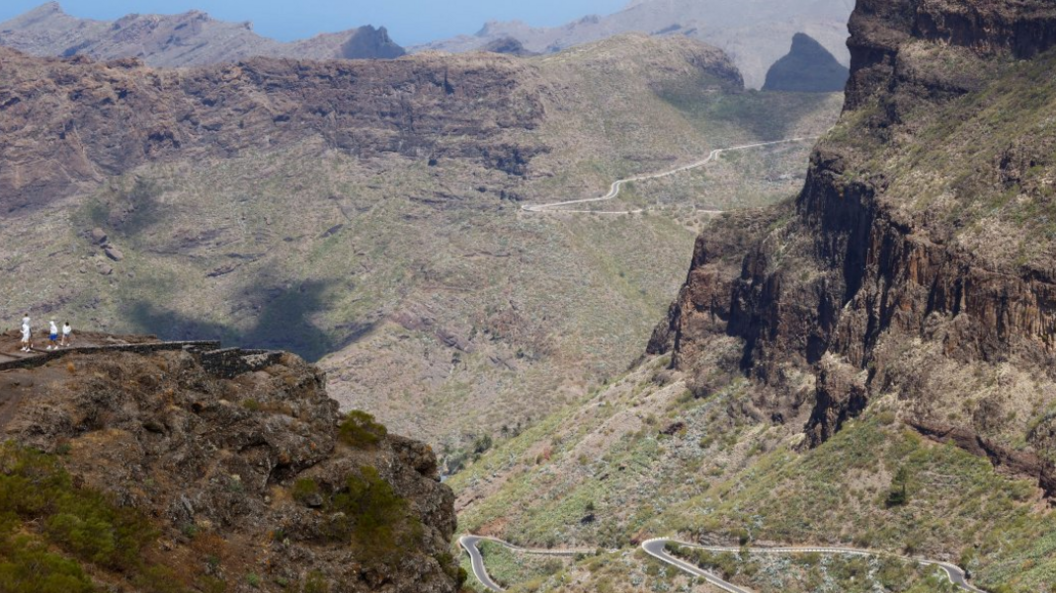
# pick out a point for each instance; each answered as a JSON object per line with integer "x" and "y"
{"x": 866, "y": 287}
{"x": 221, "y": 459}
{"x": 808, "y": 68}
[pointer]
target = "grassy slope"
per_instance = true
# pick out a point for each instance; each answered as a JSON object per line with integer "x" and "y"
{"x": 726, "y": 476}
{"x": 250, "y": 249}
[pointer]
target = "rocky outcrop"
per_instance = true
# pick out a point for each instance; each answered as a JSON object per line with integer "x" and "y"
{"x": 866, "y": 273}
{"x": 808, "y": 68}
{"x": 988, "y": 27}
{"x": 1017, "y": 463}
{"x": 72, "y": 122}
{"x": 754, "y": 32}
{"x": 507, "y": 45}
{"x": 180, "y": 40}
{"x": 252, "y": 464}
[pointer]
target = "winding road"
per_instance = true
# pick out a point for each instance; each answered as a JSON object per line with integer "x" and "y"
{"x": 614, "y": 190}
{"x": 657, "y": 548}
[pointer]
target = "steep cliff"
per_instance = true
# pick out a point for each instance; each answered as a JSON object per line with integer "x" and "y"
{"x": 918, "y": 262}
{"x": 60, "y": 117}
{"x": 163, "y": 475}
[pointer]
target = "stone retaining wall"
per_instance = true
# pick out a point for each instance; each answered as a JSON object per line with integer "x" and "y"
{"x": 43, "y": 358}
{"x": 231, "y": 362}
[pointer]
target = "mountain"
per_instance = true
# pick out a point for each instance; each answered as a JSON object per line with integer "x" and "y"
{"x": 189, "y": 39}
{"x": 177, "y": 468}
{"x": 868, "y": 365}
{"x": 368, "y": 214}
{"x": 506, "y": 45}
{"x": 752, "y": 33}
{"x": 808, "y": 68}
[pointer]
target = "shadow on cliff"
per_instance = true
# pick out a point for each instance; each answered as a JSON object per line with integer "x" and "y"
{"x": 748, "y": 115}
{"x": 282, "y": 321}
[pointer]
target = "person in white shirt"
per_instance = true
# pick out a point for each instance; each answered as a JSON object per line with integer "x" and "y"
{"x": 53, "y": 336}
{"x": 27, "y": 334}
{"x": 67, "y": 334}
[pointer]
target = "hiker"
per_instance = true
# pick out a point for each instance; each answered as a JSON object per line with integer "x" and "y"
{"x": 67, "y": 332}
{"x": 53, "y": 336}
{"x": 27, "y": 335}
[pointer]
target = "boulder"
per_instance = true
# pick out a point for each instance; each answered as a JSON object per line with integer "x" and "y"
{"x": 113, "y": 253}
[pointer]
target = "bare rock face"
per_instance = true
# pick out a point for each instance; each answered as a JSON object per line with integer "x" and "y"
{"x": 71, "y": 122}
{"x": 869, "y": 283}
{"x": 235, "y": 462}
{"x": 180, "y": 40}
{"x": 808, "y": 68}
{"x": 113, "y": 253}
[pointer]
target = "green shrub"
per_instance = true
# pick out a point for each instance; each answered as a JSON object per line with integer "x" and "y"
{"x": 316, "y": 583}
{"x": 304, "y": 489}
{"x": 35, "y": 488}
{"x": 42, "y": 513}
{"x": 26, "y": 566}
{"x": 359, "y": 429}
{"x": 372, "y": 514}
{"x": 898, "y": 495}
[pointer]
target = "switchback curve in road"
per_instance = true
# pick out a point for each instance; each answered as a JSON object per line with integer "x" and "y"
{"x": 469, "y": 544}
{"x": 657, "y": 548}
{"x": 614, "y": 190}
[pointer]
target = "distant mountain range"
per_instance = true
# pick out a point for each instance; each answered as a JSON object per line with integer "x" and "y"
{"x": 755, "y": 33}
{"x": 189, "y": 39}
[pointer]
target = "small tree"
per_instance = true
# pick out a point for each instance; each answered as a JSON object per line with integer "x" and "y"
{"x": 899, "y": 494}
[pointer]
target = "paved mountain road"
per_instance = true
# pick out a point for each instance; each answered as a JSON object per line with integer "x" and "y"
{"x": 614, "y": 190}
{"x": 469, "y": 544}
{"x": 657, "y": 548}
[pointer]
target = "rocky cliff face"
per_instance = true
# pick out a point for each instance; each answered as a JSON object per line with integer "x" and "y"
{"x": 180, "y": 40}
{"x": 918, "y": 262}
{"x": 254, "y": 482}
{"x": 808, "y": 68}
{"x": 71, "y": 122}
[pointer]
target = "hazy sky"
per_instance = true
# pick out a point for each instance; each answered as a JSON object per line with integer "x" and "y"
{"x": 409, "y": 21}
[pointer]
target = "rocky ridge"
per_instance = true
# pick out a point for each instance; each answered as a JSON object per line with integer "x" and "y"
{"x": 188, "y": 39}
{"x": 808, "y": 68}
{"x": 59, "y": 115}
{"x": 753, "y": 33}
{"x": 881, "y": 288}
{"x": 353, "y": 210}
{"x": 248, "y": 472}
